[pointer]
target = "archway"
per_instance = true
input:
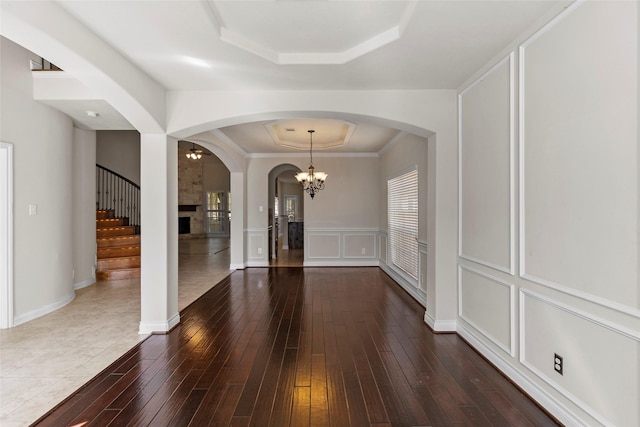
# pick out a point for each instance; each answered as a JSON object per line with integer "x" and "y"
{"x": 437, "y": 114}
{"x": 285, "y": 217}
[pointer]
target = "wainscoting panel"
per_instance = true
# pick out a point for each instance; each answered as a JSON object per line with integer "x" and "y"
{"x": 258, "y": 249}
{"x": 579, "y": 155}
{"x": 359, "y": 245}
{"x": 341, "y": 247}
{"x": 486, "y": 207}
{"x": 600, "y": 358}
{"x": 488, "y": 304}
{"x": 422, "y": 267}
{"x": 382, "y": 246}
{"x": 322, "y": 246}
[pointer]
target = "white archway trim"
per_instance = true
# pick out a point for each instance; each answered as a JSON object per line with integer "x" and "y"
{"x": 81, "y": 53}
{"x": 6, "y": 231}
{"x": 419, "y": 112}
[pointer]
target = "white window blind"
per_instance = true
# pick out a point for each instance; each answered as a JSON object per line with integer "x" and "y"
{"x": 402, "y": 205}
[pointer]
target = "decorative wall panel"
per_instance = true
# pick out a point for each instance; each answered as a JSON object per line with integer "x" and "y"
{"x": 257, "y": 246}
{"x": 360, "y": 245}
{"x": 579, "y": 153}
{"x": 486, "y": 203}
{"x": 487, "y": 304}
{"x": 322, "y": 246}
{"x": 602, "y": 379}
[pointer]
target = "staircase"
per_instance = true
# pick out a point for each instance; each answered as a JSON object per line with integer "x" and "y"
{"x": 118, "y": 247}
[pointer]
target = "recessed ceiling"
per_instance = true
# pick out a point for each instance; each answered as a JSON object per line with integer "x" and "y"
{"x": 326, "y": 32}
{"x": 360, "y": 138}
{"x": 294, "y": 133}
{"x": 179, "y": 45}
{"x": 272, "y": 45}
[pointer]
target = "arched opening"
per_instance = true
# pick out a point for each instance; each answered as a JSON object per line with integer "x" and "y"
{"x": 285, "y": 217}
{"x": 204, "y": 218}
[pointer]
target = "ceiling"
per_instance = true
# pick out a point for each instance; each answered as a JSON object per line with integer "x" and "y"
{"x": 315, "y": 44}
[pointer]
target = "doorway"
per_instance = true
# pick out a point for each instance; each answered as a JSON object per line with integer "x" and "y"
{"x": 287, "y": 221}
{"x": 218, "y": 214}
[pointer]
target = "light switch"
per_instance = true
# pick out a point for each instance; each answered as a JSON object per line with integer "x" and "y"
{"x": 33, "y": 210}
{"x": 260, "y": 208}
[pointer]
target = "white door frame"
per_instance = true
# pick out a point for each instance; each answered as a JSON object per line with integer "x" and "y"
{"x": 6, "y": 235}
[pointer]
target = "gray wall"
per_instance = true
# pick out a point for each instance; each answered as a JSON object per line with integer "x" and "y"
{"x": 119, "y": 150}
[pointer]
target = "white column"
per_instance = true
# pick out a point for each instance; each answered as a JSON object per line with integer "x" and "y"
{"x": 237, "y": 220}
{"x": 159, "y": 230}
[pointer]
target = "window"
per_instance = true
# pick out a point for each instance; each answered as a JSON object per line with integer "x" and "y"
{"x": 291, "y": 207}
{"x": 218, "y": 214}
{"x": 402, "y": 213}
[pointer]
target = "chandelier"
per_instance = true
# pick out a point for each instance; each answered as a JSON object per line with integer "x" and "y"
{"x": 311, "y": 181}
{"x": 194, "y": 153}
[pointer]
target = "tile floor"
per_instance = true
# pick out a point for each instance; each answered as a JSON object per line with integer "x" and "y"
{"x": 46, "y": 359}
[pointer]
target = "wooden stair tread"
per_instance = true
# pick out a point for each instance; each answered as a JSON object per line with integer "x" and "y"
{"x": 118, "y": 247}
{"x": 116, "y": 263}
{"x": 104, "y": 213}
{"x": 111, "y": 222}
{"x": 118, "y": 274}
{"x": 118, "y": 251}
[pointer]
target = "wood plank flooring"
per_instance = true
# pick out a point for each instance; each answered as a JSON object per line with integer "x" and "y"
{"x": 300, "y": 347}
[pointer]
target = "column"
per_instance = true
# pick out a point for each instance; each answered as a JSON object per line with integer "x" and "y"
{"x": 159, "y": 233}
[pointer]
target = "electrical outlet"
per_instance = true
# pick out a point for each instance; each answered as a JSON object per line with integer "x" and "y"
{"x": 364, "y": 251}
{"x": 557, "y": 363}
{"x": 259, "y": 251}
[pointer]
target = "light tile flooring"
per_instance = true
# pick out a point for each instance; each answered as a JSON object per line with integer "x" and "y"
{"x": 46, "y": 359}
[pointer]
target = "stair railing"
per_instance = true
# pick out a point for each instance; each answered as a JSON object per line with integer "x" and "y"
{"x": 117, "y": 193}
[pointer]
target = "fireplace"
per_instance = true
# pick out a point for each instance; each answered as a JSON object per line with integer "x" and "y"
{"x": 184, "y": 225}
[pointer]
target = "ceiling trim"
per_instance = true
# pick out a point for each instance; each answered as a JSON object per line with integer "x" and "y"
{"x": 310, "y": 58}
{"x": 303, "y": 155}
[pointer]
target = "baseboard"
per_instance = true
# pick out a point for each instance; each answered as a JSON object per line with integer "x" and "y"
{"x": 257, "y": 264}
{"x": 147, "y": 328}
{"x": 416, "y": 293}
{"x": 237, "y": 266}
{"x": 544, "y": 399}
{"x": 39, "y": 312}
{"x": 341, "y": 263}
{"x": 440, "y": 326}
{"x": 83, "y": 284}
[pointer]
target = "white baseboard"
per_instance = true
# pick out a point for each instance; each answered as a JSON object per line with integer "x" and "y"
{"x": 416, "y": 293}
{"x": 342, "y": 263}
{"x": 544, "y": 399}
{"x": 257, "y": 264}
{"x": 440, "y": 325}
{"x": 147, "y": 328}
{"x": 237, "y": 267}
{"x": 83, "y": 284}
{"x": 34, "y": 314}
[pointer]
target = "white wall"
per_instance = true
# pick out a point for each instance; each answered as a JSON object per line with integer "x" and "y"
{"x": 549, "y": 213}
{"x": 84, "y": 207}
{"x": 42, "y": 138}
{"x": 119, "y": 150}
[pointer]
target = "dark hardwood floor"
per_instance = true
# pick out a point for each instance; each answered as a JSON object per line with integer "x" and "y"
{"x": 300, "y": 347}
